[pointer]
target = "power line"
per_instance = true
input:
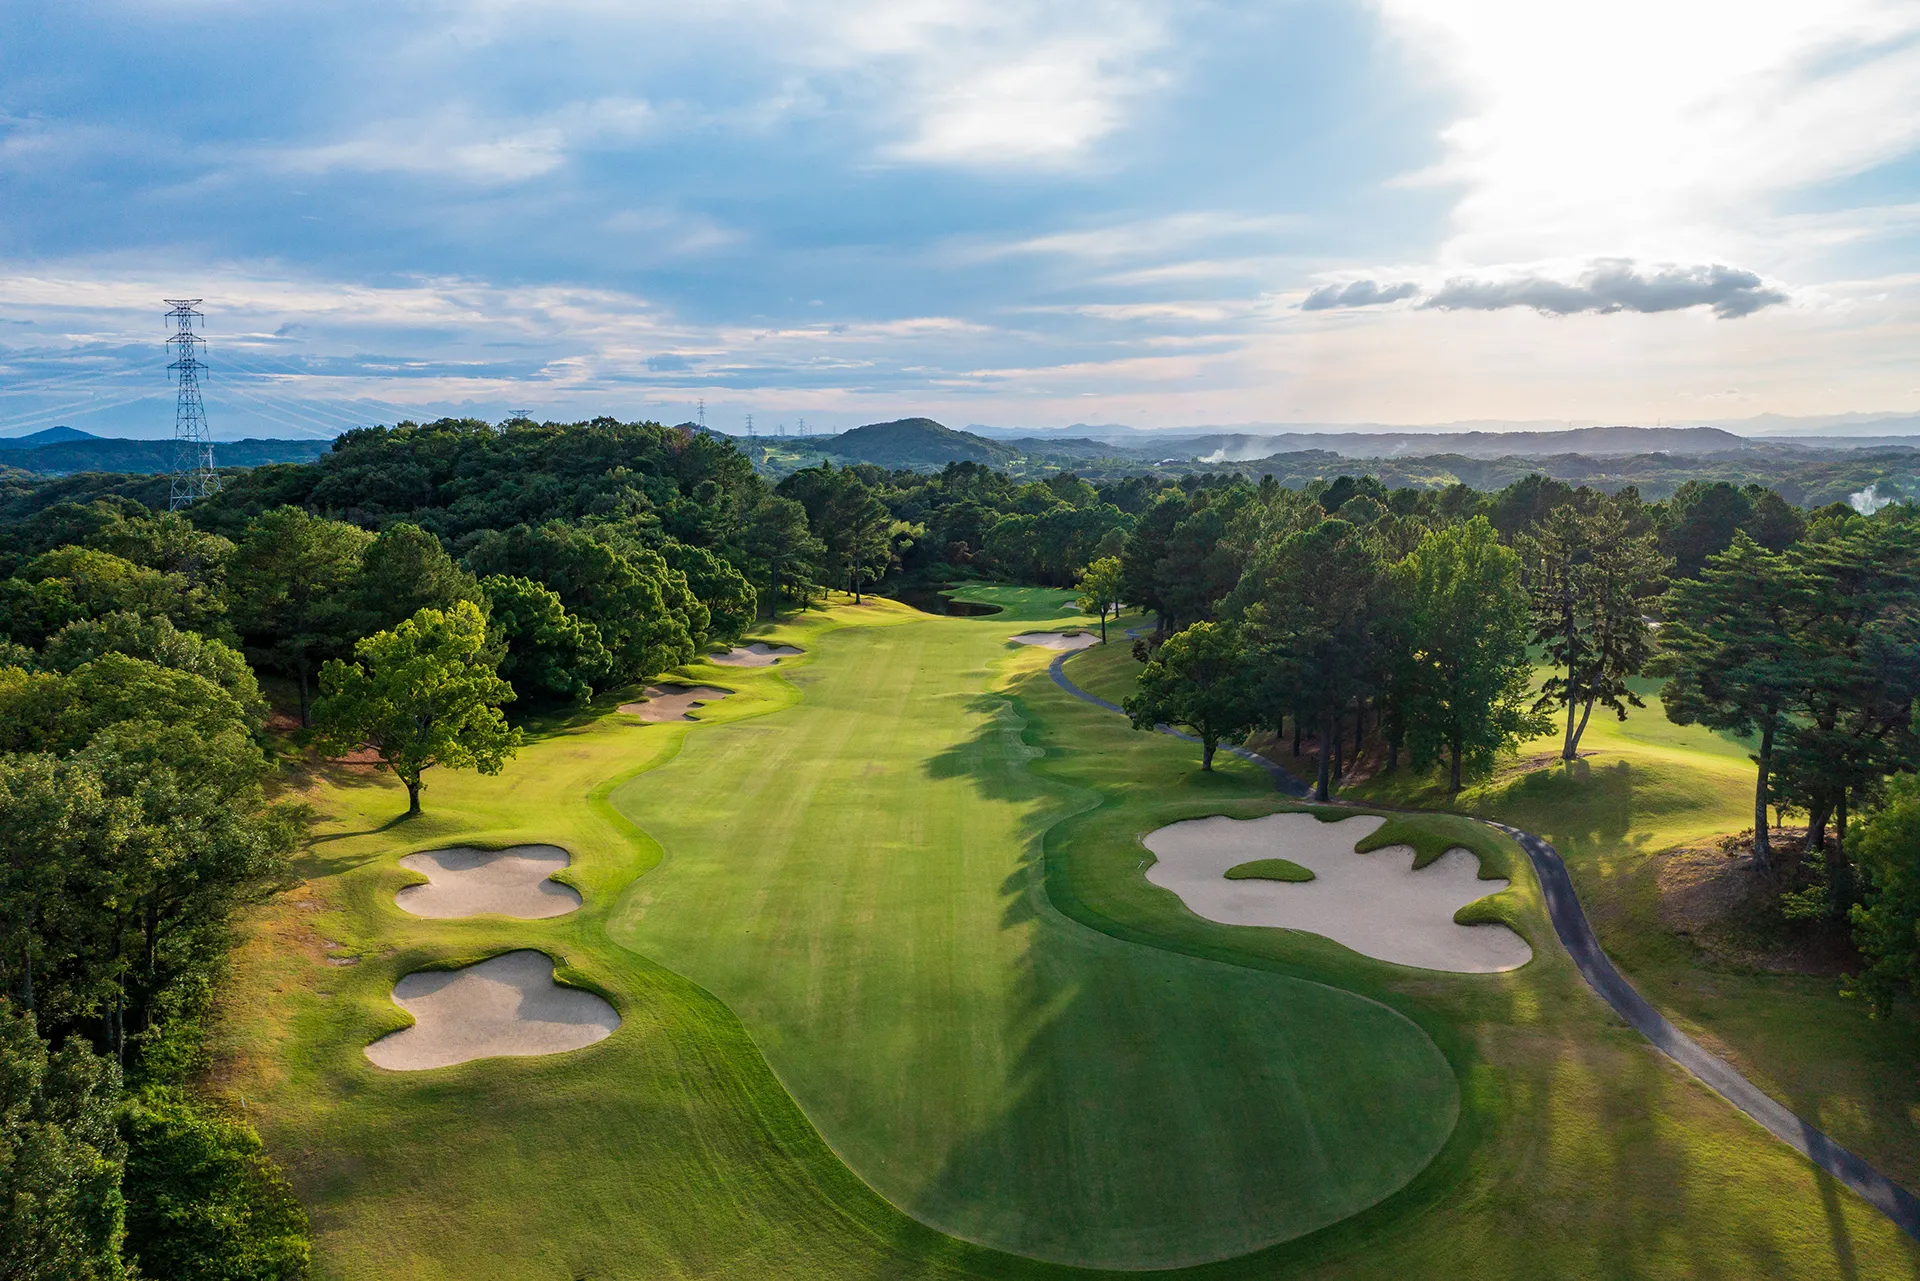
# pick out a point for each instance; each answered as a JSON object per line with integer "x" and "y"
{"x": 193, "y": 475}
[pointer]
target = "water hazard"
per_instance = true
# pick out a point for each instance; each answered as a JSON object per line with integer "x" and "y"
{"x": 934, "y": 600}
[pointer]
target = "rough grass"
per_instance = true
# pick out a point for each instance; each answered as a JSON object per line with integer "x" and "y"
{"x": 1647, "y": 787}
{"x": 1270, "y": 869}
{"x": 672, "y": 1150}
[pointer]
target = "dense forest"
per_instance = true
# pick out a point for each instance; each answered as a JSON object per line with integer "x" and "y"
{"x": 423, "y": 590}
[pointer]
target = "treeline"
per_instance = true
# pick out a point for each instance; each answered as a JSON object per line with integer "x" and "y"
{"x": 134, "y": 821}
{"x": 1447, "y": 627}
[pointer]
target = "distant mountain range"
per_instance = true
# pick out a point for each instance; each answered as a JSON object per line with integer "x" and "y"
{"x": 923, "y": 444}
{"x": 1502, "y": 437}
{"x": 1811, "y": 467}
{"x": 62, "y": 451}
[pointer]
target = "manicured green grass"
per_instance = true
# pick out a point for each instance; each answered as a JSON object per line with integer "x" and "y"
{"x": 1270, "y": 869}
{"x": 859, "y": 879}
{"x": 1649, "y": 786}
{"x": 1001, "y": 893}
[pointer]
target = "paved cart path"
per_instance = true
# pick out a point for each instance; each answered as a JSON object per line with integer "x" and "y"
{"x": 1577, "y": 936}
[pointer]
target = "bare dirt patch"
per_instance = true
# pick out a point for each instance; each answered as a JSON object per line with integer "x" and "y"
{"x": 507, "y": 1006}
{"x": 470, "y": 882}
{"x": 673, "y": 702}
{"x": 758, "y": 654}
{"x": 1711, "y": 895}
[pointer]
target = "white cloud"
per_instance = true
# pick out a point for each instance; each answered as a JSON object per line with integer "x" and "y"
{"x": 459, "y": 142}
{"x": 1657, "y": 129}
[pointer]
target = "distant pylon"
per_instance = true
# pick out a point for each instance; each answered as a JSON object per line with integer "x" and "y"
{"x": 193, "y": 475}
{"x": 702, "y": 413}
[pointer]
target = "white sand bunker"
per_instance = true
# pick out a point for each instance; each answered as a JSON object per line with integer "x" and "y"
{"x": 506, "y": 1006}
{"x": 758, "y": 654}
{"x": 1057, "y": 640}
{"x": 470, "y": 882}
{"x": 1374, "y": 903}
{"x": 673, "y": 702}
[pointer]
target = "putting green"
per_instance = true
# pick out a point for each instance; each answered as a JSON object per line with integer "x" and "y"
{"x": 859, "y": 878}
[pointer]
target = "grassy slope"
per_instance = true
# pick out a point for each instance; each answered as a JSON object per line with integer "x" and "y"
{"x": 859, "y": 879}
{"x": 1649, "y": 786}
{"x": 670, "y": 1149}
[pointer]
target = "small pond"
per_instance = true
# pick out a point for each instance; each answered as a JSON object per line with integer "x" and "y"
{"x": 934, "y": 600}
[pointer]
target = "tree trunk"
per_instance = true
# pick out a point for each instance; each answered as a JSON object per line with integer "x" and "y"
{"x": 1359, "y": 727}
{"x": 1320, "y": 792}
{"x": 1453, "y": 778}
{"x": 413, "y": 796}
{"x": 1573, "y": 663}
{"x": 1103, "y": 624}
{"x": 1817, "y": 814}
{"x": 1339, "y": 741}
{"x": 1762, "y": 839}
{"x": 306, "y": 703}
{"x": 1207, "y": 743}
{"x": 1296, "y": 734}
{"x": 1573, "y": 749}
{"x": 1839, "y": 863}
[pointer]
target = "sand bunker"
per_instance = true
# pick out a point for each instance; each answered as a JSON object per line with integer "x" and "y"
{"x": 758, "y": 654}
{"x": 1374, "y": 903}
{"x": 470, "y": 882}
{"x": 673, "y": 702}
{"x": 1057, "y": 640}
{"x": 506, "y": 1006}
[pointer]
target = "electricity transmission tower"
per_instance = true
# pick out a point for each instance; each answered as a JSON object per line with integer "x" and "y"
{"x": 193, "y": 475}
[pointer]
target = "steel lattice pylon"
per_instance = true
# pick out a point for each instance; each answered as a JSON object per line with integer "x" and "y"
{"x": 193, "y": 474}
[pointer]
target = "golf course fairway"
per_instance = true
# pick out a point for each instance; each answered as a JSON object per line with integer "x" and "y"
{"x": 859, "y": 879}
{"x": 896, "y": 999}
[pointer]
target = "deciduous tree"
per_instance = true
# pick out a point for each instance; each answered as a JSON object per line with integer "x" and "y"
{"x": 1100, "y": 588}
{"x": 1197, "y": 679}
{"x": 425, "y": 693}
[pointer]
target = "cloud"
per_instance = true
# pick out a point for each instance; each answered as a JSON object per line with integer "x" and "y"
{"x": 1611, "y": 286}
{"x": 668, "y": 364}
{"x": 1358, "y": 293}
{"x": 459, "y": 142}
{"x": 1582, "y": 131}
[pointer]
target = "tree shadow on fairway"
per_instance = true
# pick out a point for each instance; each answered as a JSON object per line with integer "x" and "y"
{"x": 992, "y": 756}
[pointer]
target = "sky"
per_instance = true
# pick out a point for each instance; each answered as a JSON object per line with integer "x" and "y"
{"x": 982, "y": 211}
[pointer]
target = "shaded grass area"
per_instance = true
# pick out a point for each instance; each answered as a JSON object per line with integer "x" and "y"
{"x": 1270, "y": 869}
{"x": 1650, "y": 786}
{"x": 671, "y": 1149}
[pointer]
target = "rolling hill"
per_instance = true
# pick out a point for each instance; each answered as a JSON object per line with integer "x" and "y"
{"x": 917, "y": 444}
